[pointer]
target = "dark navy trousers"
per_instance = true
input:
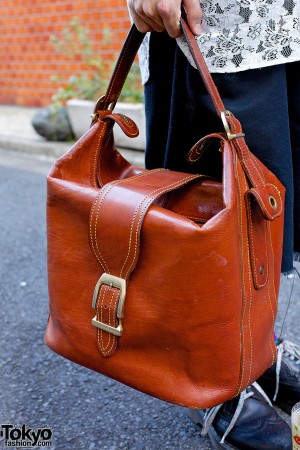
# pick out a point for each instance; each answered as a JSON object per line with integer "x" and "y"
{"x": 266, "y": 101}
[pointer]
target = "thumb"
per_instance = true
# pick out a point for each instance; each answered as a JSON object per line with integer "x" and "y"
{"x": 194, "y": 15}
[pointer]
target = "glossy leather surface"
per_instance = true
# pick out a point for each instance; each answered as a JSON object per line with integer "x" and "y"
{"x": 198, "y": 315}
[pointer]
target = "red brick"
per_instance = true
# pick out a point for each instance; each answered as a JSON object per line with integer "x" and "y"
{"x": 28, "y": 61}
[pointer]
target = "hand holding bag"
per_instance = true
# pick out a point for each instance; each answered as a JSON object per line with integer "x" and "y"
{"x": 165, "y": 281}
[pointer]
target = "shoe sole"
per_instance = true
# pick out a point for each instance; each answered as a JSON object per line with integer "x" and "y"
{"x": 198, "y": 418}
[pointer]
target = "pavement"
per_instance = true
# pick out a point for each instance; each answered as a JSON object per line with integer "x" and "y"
{"x": 38, "y": 388}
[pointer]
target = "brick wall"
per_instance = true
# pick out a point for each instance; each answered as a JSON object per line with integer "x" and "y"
{"x": 27, "y": 59}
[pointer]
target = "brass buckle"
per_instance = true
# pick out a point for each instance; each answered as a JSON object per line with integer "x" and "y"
{"x": 230, "y": 135}
{"x": 95, "y": 114}
{"x": 120, "y": 284}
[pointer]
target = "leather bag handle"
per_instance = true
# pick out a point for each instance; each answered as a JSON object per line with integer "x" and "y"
{"x": 104, "y": 106}
{"x": 121, "y": 70}
{"x": 128, "y": 53}
{"x": 127, "y": 56}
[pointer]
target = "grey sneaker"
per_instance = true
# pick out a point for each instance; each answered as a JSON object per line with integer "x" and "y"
{"x": 282, "y": 381}
{"x": 248, "y": 422}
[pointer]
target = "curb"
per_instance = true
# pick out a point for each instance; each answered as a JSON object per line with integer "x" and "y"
{"x": 54, "y": 149}
{"x": 34, "y": 146}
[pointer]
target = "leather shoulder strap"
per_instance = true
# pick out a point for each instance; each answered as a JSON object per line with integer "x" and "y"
{"x": 123, "y": 66}
{"x": 126, "y": 58}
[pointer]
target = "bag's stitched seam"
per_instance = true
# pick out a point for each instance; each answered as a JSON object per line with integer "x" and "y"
{"x": 273, "y": 265}
{"x": 105, "y": 291}
{"x": 99, "y": 314}
{"x": 104, "y": 347}
{"x": 135, "y": 214}
{"x": 258, "y": 167}
{"x": 153, "y": 195}
{"x": 114, "y": 323}
{"x": 250, "y": 290}
{"x": 278, "y": 191}
{"x": 252, "y": 248}
{"x": 273, "y": 322}
{"x": 111, "y": 323}
{"x": 99, "y": 257}
{"x": 267, "y": 256}
{"x": 244, "y": 149}
{"x": 266, "y": 249}
{"x": 95, "y": 245}
{"x": 107, "y": 189}
{"x": 104, "y": 192}
{"x": 128, "y": 44}
{"x": 279, "y": 195}
{"x": 95, "y": 248}
{"x": 111, "y": 87}
{"x": 93, "y": 173}
{"x": 217, "y": 101}
{"x": 268, "y": 288}
{"x": 275, "y": 296}
{"x": 102, "y": 198}
{"x": 100, "y": 331}
{"x": 243, "y": 281}
{"x": 101, "y": 157}
{"x": 251, "y": 236}
{"x": 130, "y": 239}
{"x": 254, "y": 169}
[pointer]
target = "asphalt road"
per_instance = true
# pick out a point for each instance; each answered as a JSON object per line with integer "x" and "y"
{"x": 40, "y": 389}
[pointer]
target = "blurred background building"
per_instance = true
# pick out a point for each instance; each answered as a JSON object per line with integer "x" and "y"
{"x": 28, "y": 59}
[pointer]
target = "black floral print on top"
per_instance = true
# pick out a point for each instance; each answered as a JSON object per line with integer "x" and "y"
{"x": 243, "y": 34}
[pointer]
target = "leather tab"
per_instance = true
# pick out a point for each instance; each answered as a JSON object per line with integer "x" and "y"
{"x": 202, "y": 145}
{"x": 106, "y": 312}
{"x": 258, "y": 243}
{"x": 127, "y": 125}
{"x": 114, "y": 221}
{"x": 269, "y": 200}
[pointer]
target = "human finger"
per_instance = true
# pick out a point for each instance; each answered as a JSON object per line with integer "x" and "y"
{"x": 170, "y": 12}
{"x": 144, "y": 17}
{"x": 194, "y": 15}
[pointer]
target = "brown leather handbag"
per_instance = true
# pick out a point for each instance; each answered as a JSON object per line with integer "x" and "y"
{"x": 162, "y": 280}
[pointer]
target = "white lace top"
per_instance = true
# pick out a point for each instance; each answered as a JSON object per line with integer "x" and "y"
{"x": 243, "y": 34}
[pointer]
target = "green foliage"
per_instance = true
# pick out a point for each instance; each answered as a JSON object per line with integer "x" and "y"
{"x": 76, "y": 44}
